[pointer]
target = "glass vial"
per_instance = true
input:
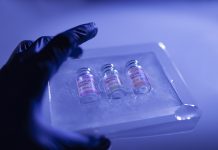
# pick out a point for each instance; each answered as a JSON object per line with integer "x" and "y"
{"x": 139, "y": 80}
{"x": 111, "y": 81}
{"x": 86, "y": 85}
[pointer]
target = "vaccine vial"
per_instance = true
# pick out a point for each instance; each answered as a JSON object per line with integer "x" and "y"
{"x": 138, "y": 78}
{"x": 111, "y": 81}
{"x": 86, "y": 85}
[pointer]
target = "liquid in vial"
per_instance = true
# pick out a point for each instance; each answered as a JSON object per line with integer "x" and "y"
{"x": 112, "y": 83}
{"x": 138, "y": 78}
{"x": 86, "y": 85}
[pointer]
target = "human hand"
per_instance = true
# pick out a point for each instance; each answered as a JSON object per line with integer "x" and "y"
{"x": 23, "y": 80}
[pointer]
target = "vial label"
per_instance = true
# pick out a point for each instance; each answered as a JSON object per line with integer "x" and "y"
{"x": 86, "y": 85}
{"x": 112, "y": 83}
{"x": 138, "y": 77}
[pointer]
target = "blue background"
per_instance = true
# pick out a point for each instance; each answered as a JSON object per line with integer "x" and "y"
{"x": 188, "y": 28}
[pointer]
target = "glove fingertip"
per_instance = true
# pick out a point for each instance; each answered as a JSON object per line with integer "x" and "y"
{"x": 23, "y": 46}
{"x": 104, "y": 143}
{"x": 76, "y": 53}
{"x": 100, "y": 142}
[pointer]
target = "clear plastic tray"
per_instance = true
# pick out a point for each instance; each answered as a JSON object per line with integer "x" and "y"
{"x": 167, "y": 108}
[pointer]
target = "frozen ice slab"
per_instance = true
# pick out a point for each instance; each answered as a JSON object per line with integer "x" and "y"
{"x": 168, "y": 102}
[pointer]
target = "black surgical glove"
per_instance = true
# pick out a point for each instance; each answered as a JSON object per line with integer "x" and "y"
{"x": 22, "y": 83}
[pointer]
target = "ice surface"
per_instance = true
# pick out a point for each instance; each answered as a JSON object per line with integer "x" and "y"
{"x": 68, "y": 113}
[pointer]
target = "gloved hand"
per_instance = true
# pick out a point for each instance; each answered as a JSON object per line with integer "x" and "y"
{"x": 23, "y": 80}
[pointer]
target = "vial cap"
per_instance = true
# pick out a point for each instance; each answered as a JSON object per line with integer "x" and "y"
{"x": 107, "y": 67}
{"x": 84, "y": 70}
{"x": 132, "y": 63}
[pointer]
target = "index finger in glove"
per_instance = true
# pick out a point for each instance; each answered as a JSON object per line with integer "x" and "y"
{"x": 63, "y": 45}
